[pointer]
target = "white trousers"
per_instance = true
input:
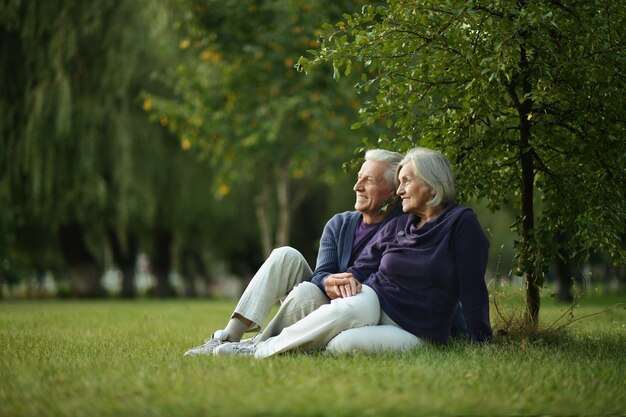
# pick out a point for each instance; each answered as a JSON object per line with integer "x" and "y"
{"x": 283, "y": 277}
{"x": 385, "y": 337}
{"x": 347, "y": 315}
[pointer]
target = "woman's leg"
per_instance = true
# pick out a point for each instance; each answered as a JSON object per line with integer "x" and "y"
{"x": 318, "y": 328}
{"x": 386, "y": 337}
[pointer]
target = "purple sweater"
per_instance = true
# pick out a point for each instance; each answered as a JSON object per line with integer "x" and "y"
{"x": 421, "y": 274}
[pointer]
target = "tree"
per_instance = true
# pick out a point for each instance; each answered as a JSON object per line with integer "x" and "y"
{"x": 240, "y": 103}
{"x": 79, "y": 156}
{"x": 49, "y": 133}
{"x": 525, "y": 97}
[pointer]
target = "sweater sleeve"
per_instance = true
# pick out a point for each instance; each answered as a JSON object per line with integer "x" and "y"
{"x": 369, "y": 262}
{"x": 471, "y": 253}
{"x": 328, "y": 254}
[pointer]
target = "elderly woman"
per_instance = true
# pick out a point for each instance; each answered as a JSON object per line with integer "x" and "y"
{"x": 410, "y": 278}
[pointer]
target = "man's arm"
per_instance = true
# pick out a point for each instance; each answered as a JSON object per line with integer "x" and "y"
{"x": 328, "y": 254}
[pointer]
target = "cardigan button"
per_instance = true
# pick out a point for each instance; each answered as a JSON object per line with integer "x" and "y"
{"x": 401, "y": 233}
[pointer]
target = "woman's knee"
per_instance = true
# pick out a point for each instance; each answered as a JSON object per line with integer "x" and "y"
{"x": 362, "y": 309}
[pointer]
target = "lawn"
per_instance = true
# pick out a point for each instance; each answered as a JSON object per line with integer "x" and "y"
{"x": 117, "y": 358}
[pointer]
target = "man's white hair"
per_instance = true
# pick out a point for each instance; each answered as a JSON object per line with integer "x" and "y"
{"x": 390, "y": 159}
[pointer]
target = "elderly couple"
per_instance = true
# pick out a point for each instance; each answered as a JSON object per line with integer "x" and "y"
{"x": 387, "y": 278}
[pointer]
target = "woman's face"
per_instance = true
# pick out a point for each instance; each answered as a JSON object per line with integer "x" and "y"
{"x": 413, "y": 191}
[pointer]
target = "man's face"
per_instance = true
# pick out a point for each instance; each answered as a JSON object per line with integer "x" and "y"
{"x": 372, "y": 191}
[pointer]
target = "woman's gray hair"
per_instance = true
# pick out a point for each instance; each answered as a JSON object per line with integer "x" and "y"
{"x": 434, "y": 169}
{"x": 390, "y": 159}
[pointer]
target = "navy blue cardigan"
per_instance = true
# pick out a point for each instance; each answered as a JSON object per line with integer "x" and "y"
{"x": 336, "y": 244}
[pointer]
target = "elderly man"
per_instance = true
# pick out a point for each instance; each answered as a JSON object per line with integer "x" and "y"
{"x": 285, "y": 275}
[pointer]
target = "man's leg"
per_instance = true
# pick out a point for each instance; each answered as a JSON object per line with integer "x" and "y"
{"x": 318, "y": 328}
{"x": 305, "y": 298}
{"x": 279, "y": 274}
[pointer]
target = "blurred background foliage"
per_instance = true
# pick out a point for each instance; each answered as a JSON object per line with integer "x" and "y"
{"x": 160, "y": 148}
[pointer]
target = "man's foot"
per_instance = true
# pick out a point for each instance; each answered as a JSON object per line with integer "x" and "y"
{"x": 235, "y": 349}
{"x": 251, "y": 340}
{"x": 218, "y": 338}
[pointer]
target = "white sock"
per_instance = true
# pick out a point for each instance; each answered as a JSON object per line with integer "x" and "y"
{"x": 235, "y": 330}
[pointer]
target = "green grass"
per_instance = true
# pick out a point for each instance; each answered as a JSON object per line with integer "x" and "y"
{"x": 115, "y": 358}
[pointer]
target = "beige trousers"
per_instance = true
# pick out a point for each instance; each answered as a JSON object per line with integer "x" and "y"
{"x": 283, "y": 277}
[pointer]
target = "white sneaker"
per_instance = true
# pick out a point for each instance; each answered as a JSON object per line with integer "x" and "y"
{"x": 251, "y": 340}
{"x": 218, "y": 338}
{"x": 246, "y": 348}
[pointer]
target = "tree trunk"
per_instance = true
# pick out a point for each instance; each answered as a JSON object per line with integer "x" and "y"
{"x": 188, "y": 273}
{"x": 284, "y": 209}
{"x": 272, "y": 237}
{"x": 125, "y": 258}
{"x": 275, "y": 228}
{"x": 82, "y": 266}
{"x": 527, "y": 188}
{"x": 162, "y": 263}
{"x": 192, "y": 268}
{"x": 564, "y": 278}
{"x": 263, "y": 217}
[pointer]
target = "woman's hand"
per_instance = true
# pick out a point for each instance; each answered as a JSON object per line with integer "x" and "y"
{"x": 341, "y": 285}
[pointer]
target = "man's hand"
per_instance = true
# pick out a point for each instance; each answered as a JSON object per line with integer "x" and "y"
{"x": 341, "y": 285}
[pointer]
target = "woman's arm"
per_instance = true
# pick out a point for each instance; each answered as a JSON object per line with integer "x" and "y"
{"x": 368, "y": 262}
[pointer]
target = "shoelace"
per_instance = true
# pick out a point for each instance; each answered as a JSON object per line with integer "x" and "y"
{"x": 245, "y": 348}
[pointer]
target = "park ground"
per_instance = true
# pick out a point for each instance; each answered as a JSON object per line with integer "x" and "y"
{"x": 117, "y": 358}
